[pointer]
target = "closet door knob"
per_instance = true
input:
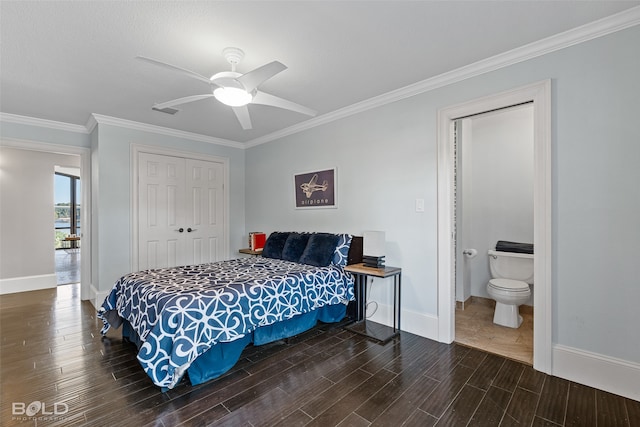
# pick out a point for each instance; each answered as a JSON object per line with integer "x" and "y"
{"x": 180, "y": 230}
{"x": 189, "y": 230}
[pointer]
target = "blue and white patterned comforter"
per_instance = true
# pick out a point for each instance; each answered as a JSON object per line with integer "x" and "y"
{"x": 181, "y": 312}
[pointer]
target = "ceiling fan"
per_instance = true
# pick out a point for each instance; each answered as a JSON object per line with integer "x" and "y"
{"x": 235, "y": 89}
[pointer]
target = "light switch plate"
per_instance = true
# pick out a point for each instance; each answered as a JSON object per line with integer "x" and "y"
{"x": 419, "y": 205}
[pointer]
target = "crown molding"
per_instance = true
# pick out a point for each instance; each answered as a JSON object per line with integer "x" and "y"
{"x": 96, "y": 119}
{"x": 602, "y": 27}
{"x": 129, "y": 124}
{"x": 49, "y": 147}
{"x": 50, "y": 124}
{"x": 91, "y": 123}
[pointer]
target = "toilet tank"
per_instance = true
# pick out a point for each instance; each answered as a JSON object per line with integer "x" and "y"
{"x": 511, "y": 265}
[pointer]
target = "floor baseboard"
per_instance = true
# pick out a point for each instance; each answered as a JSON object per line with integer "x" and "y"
{"x": 595, "y": 370}
{"x": 27, "y": 283}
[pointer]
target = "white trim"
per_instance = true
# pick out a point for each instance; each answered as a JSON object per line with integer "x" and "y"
{"x": 596, "y": 370}
{"x": 85, "y": 216}
{"x": 27, "y": 283}
{"x": 46, "y": 147}
{"x": 99, "y": 297}
{"x": 136, "y": 149}
{"x": 421, "y": 324}
{"x": 91, "y": 123}
{"x": 129, "y": 124}
{"x": 424, "y": 325}
{"x": 50, "y": 124}
{"x": 540, "y": 94}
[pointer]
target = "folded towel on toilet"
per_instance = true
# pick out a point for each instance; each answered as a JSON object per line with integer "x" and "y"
{"x": 520, "y": 248}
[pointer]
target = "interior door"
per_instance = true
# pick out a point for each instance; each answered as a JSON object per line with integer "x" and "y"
{"x": 161, "y": 213}
{"x": 180, "y": 211}
{"x": 205, "y": 215}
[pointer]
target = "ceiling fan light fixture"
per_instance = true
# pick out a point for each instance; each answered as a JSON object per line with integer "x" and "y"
{"x": 232, "y": 96}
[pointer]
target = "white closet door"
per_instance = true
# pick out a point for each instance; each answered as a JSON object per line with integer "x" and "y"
{"x": 204, "y": 211}
{"x": 161, "y": 212}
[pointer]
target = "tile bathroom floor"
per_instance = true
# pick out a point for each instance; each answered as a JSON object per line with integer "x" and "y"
{"x": 475, "y": 328}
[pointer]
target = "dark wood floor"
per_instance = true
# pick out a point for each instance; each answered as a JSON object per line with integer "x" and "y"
{"x": 51, "y": 352}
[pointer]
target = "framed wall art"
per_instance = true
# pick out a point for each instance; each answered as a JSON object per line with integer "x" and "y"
{"x": 315, "y": 189}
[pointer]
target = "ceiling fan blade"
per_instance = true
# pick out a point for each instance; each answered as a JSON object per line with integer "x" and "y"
{"x": 184, "y": 100}
{"x": 274, "y": 101}
{"x": 255, "y": 78}
{"x": 242, "y": 113}
{"x": 174, "y": 68}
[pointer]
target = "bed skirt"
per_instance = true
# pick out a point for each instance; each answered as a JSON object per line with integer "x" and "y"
{"x": 224, "y": 355}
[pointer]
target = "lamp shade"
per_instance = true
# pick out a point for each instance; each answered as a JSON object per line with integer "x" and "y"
{"x": 373, "y": 243}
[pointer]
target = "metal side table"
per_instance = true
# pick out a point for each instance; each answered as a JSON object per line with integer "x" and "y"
{"x": 373, "y": 330}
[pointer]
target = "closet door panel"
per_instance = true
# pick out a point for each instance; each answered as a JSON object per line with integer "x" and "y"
{"x": 205, "y": 217}
{"x": 160, "y": 211}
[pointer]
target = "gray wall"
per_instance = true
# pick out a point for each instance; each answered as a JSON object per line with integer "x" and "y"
{"x": 382, "y": 159}
{"x": 386, "y": 158}
{"x": 27, "y": 243}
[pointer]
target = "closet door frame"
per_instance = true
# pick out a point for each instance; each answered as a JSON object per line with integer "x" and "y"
{"x": 141, "y": 148}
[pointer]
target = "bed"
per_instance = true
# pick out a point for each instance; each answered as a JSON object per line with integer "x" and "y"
{"x": 198, "y": 319}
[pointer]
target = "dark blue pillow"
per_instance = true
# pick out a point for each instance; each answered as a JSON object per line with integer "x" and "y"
{"x": 274, "y": 245}
{"x": 320, "y": 249}
{"x": 294, "y": 246}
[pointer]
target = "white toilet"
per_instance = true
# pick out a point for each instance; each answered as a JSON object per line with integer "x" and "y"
{"x": 512, "y": 274}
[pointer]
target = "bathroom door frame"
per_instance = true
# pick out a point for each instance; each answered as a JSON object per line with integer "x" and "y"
{"x": 540, "y": 94}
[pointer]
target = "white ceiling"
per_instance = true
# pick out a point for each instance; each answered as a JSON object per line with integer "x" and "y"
{"x": 63, "y": 61}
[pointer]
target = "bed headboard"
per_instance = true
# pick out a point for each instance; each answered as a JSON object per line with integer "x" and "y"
{"x": 355, "y": 251}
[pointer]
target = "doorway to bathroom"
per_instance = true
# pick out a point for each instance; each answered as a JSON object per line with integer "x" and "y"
{"x": 493, "y": 198}
{"x": 539, "y": 95}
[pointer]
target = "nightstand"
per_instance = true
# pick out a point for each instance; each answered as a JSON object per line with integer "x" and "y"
{"x": 376, "y": 331}
{"x": 251, "y": 252}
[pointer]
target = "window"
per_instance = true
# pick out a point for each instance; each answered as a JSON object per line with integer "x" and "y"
{"x": 67, "y": 210}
